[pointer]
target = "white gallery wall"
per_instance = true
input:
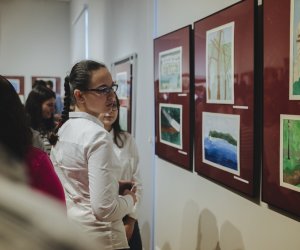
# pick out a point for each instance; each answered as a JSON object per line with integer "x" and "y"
{"x": 195, "y": 213}
{"x": 34, "y": 38}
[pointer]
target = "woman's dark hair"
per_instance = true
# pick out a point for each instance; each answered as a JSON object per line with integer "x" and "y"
{"x": 119, "y": 134}
{"x": 79, "y": 78}
{"x": 15, "y": 133}
{"x": 33, "y": 106}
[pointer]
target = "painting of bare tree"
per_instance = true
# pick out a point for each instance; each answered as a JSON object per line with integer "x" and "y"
{"x": 219, "y": 64}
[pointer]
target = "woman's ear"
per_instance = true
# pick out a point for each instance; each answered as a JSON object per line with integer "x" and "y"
{"x": 78, "y": 96}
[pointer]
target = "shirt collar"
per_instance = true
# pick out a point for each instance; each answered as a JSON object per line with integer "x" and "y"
{"x": 87, "y": 116}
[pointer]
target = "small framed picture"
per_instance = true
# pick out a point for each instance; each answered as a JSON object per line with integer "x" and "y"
{"x": 55, "y": 82}
{"x": 17, "y": 82}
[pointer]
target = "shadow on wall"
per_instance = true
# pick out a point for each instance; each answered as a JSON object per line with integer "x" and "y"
{"x": 208, "y": 234}
{"x": 209, "y": 238}
{"x": 230, "y": 237}
{"x": 202, "y": 233}
{"x": 145, "y": 235}
{"x": 166, "y": 246}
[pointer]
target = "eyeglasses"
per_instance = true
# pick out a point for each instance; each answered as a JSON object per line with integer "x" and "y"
{"x": 105, "y": 90}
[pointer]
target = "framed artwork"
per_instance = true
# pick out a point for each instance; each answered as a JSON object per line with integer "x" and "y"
{"x": 221, "y": 141}
{"x": 219, "y": 64}
{"x": 55, "y": 80}
{"x": 170, "y": 120}
{"x": 123, "y": 73}
{"x": 170, "y": 70}
{"x": 289, "y": 152}
{"x": 224, "y": 98}
{"x": 18, "y": 84}
{"x": 280, "y": 175}
{"x": 173, "y": 97}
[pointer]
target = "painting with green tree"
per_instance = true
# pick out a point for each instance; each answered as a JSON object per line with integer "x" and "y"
{"x": 290, "y": 151}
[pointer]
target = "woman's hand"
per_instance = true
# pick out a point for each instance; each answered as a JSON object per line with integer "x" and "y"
{"x": 126, "y": 191}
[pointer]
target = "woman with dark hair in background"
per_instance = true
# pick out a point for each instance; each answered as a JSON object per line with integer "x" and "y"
{"x": 40, "y": 105}
{"x": 85, "y": 161}
{"x": 16, "y": 138}
{"x": 126, "y": 150}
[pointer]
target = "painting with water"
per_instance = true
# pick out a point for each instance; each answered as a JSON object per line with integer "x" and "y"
{"x": 290, "y": 151}
{"x": 221, "y": 141}
{"x": 170, "y": 70}
{"x": 295, "y": 50}
{"x": 170, "y": 124}
{"x": 219, "y": 64}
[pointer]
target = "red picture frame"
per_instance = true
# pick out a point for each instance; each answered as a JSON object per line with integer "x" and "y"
{"x": 174, "y": 46}
{"x": 19, "y": 80}
{"x": 19, "y": 84}
{"x": 123, "y": 75}
{"x": 276, "y": 103}
{"x": 56, "y": 81}
{"x": 241, "y": 177}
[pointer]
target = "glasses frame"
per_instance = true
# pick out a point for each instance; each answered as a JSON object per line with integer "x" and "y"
{"x": 105, "y": 90}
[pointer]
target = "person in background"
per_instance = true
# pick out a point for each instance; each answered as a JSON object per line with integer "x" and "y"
{"x": 84, "y": 159}
{"x": 16, "y": 138}
{"x": 126, "y": 150}
{"x": 29, "y": 219}
{"x": 58, "y": 102}
{"x": 39, "y": 106}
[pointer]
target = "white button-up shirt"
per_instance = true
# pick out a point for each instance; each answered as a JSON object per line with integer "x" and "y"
{"x": 89, "y": 171}
{"x": 129, "y": 160}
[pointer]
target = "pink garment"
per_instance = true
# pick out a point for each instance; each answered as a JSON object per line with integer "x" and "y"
{"x": 41, "y": 173}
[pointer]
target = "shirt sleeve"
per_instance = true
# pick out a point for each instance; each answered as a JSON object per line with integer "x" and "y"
{"x": 106, "y": 203}
{"x": 43, "y": 177}
{"x": 135, "y": 175}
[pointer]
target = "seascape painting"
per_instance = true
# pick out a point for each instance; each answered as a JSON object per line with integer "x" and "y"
{"x": 121, "y": 81}
{"x": 219, "y": 64}
{"x": 295, "y": 50}
{"x": 290, "y": 152}
{"x": 170, "y": 124}
{"x": 221, "y": 141}
{"x": 170, "y": 70}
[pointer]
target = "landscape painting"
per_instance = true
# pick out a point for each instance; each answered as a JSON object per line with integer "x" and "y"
{"x": 295, "y": 50}
{"x": 221, "y": 141}
{"x": 170, "y": 70}
{"x": 170, "y": 124}
{"x": 219, "y": 64}
{"x": 290, "y": 152}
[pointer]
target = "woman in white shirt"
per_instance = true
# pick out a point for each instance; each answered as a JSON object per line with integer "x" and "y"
{"x": 84, "y": 159}
{"x": 126, "y": 150}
